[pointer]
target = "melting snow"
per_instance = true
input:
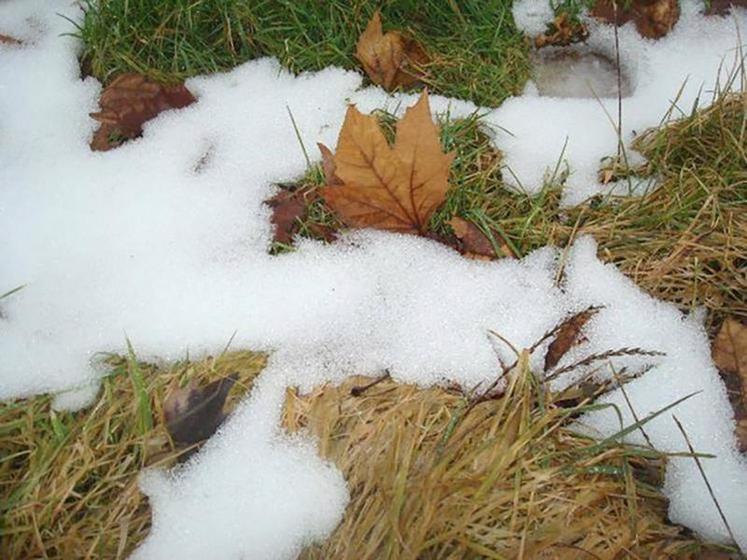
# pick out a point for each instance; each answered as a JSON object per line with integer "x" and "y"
{"x": 165, "y": 239}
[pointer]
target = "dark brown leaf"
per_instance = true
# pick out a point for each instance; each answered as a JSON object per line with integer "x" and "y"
{"x": 723, "y": 7}
{"x": 474, "y": 243}
{"x": 128, "y": 102}
{"x": 287, "y": 208}
{"x": 192, "y": 414}
{"x": 653, "y": 18}
{"x": 567, "y": 335}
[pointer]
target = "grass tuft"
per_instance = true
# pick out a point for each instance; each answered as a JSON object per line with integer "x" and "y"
{"x": 476, "y": 51}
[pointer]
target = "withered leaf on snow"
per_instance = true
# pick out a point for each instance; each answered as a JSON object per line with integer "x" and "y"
{"x": 393, "y": 188}
{"x": 128, "y": 102}
{"x": 287, "y": 208}
{"x": 567, "y": 335}
{"x": 390, "y": 59}
{"x": 194, "y": 413}
{"x": 8, "y": 40}
{"x": 729, "y": 353}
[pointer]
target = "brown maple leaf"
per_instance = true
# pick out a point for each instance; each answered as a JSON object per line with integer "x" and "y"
{"x": 394, "y": 188}
{"x": 390, "y": 59}
{"x": 128, "y": 102}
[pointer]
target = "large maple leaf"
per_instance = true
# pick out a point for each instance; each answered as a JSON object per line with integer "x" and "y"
{"x": 397, "y": 188}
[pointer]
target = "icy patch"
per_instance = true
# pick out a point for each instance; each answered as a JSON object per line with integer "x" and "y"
{"x": 165, "y": 239}
{"x": 698, "y": 52}
{"x": 576, "y": 72}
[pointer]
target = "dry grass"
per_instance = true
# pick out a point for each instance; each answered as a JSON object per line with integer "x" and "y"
{"x": 68, "y": 481}
{"x": 508, "y": 480}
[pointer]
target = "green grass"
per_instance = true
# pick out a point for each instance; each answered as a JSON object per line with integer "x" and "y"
{"x": 476, "y": 51}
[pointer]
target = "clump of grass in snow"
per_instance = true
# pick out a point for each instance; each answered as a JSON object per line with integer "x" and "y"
{"x": 508, "y": 480}
{"x": 685, "y": 241}
{"x": 477, "y": 52}
{"x": 68, "y": 481}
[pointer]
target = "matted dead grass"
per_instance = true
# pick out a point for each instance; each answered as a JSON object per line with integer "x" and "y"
{"x": 510, "y": 479}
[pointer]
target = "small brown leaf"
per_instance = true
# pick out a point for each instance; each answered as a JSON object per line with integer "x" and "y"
{"x": 8, "y": 40}
{"x": 128, "y": 102}
{"x": 729, "y": 350}
{"x": 192, "y": 414}
{"x": 287, "y": 208}
{"x": 390, "y": 59}
{"x": 474, "y": 243}
{"x": 653, "y": 18}
{"x": 567, "y": 335}
{"x": 393, "y": 188}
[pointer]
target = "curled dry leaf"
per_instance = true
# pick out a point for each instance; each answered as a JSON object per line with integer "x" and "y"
{"x": 128, "y": 102}
{"x": 394, "y": 188}
{"x": 653, "y": 18}
{"x": 729, "y": 353}
{"x": 474, "y": 243}
{"x": 563, "y": 31}
{"x": 567, "y": 335}
{"x": 390, "y": 59}
{"x": 192, "y": 414}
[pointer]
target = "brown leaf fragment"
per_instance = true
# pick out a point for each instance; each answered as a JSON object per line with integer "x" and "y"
{"x": 8, "y": 40}
{"x": 393, "y": 188}
{"x": 567, "y": 336}
{"x": 192, "y": 414}
{"x": 729, "y": 353}
{"x": 653, "y": 18}
{"x": 563, "y": 31}
{"x": 287, "y": 208}
{"x": 723, "y": 7}
{"x": 390, "y": 59}
{"x": 128, "y": 102}
{"x": 474, "y": 243}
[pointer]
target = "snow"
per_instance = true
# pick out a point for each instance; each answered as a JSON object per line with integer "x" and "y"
{"x": 164, "y": 241}
{"x": 697, "y": 52}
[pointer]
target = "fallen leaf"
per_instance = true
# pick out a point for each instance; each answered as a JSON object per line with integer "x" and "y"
{"x": 723, "y": 7}
{"x": 653, "y": 18}
{"x": 328, "y": 166}
{"x": 287, "y": 208}
{"x": 564, "y": 31}
{"x": 474, "y": 243}
{"x": 128, "y": 102}
{"x": 192, "y": 414}
{"x": 729, "y": 350}
{"x": 567, "y": 335}
{"x": 390, "y": 59}
{"x": 393, "y": 188}
{"x": 8, "y": 40}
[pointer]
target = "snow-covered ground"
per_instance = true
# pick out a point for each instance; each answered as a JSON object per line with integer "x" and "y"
{"x": 143, "y": 242}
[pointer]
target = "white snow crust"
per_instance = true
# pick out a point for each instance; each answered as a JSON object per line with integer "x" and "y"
{"x": 164, "y": 240}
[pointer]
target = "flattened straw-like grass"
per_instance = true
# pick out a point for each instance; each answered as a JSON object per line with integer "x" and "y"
{"x": 512, "y": 481}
